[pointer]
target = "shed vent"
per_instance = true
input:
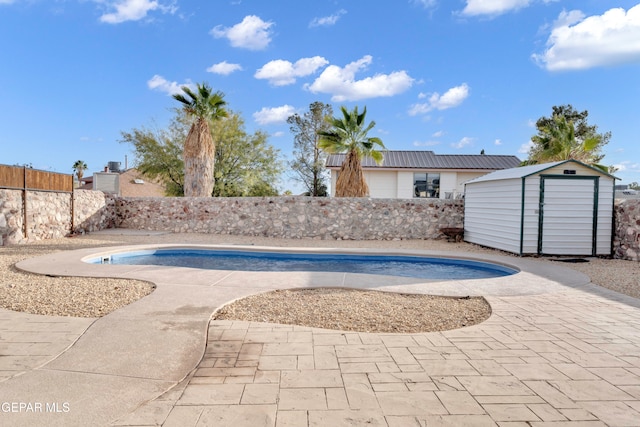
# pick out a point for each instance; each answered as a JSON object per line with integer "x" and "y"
{"x": 569, "y": 172}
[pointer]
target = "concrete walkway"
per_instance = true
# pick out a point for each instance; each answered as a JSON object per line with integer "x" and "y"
{"x": 556, "y": 351}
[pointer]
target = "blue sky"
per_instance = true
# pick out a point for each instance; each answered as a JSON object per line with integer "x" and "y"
{"x": 455, "y": 76}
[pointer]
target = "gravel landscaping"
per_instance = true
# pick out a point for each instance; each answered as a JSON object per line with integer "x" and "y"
{"x": 359, "y": 311}
{"x": 334, "y": 309}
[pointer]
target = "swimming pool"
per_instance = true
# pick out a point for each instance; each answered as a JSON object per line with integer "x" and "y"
{"x": 434, "y": 268}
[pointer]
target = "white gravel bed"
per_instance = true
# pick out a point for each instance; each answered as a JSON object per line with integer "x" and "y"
{"x": 62, "y": 296}
{"x": 358, "y": 310}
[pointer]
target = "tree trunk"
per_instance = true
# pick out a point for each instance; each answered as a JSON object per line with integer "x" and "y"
{"x": 350, "y": 182}
{"x": 199, "y": 155}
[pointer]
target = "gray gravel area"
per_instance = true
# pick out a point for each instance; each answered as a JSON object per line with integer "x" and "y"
{"x": 86, "y": 297}
{"x": 359, "y": 311}
{"x": 62, "y": 296}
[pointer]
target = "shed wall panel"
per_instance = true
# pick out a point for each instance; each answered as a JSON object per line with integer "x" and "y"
{"x": 568, "y": 217}
{"x": 605, "y": 216}
{"x": 492, "y": 214}
{"x": 530, "y": 215}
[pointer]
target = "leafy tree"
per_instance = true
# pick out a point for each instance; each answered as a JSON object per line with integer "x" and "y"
{"x": 308, "y": 160}
{"x": 79, "y": 167}
{"x": 634, "y": 186}
{"x": 567, "y": 135}
{"x": 159, "y": 154}
{"x": 246, "y": 165}
{"x": 349, "y": 134}
{"x": 199, "y": 147}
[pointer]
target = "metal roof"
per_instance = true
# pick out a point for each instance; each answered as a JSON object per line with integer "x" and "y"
{"x": 525, "y": 171}
{"x": 430, "y": 160}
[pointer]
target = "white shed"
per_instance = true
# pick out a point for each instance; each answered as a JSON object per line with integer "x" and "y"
{"x": 560, "y": 208}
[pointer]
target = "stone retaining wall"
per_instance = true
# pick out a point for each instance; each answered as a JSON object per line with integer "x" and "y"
{"x": 294, "y": 217}
{"x": 48, "y": 214}
{"x": 626, "y": 239}
{"x": 93, "y": 210}
{"x": 11, "y": 216}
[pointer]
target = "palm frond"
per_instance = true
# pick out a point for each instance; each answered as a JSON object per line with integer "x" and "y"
{"x": 180, "y": 98}
{"x": 188, "y": 91}
{"x": 377, "y": 156}
{"x": 360, "y": 117}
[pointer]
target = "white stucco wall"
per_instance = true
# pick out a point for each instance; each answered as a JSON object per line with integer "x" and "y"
{"x": 463, "y": 177}
{"x": 405, "y": 185}
{"x": 382, "y": 184}
{"x": 398, "y": 184}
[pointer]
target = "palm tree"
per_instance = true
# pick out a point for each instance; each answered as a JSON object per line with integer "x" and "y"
{"x": 348, "y": 134}
{"x": 557, "y": 141}
{"x": 199, "y": 147}
{"x": 79, "y": 167}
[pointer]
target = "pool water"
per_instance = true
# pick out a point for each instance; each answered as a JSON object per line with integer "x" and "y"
{"x": 393, "y": 265}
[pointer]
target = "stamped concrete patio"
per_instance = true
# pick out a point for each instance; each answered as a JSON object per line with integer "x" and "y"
{"x": 556, "y": 351}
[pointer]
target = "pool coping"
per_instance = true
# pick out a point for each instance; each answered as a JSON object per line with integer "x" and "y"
{"x": 554, "y": 276}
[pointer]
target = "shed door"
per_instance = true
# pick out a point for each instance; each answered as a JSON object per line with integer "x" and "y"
{"x": 567, "y": 223}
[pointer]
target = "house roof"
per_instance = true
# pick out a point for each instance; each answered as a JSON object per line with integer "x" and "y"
{"x": 525, "y": 171}
{"x": 133, "y": 184}
{"x": 430, "y": 160}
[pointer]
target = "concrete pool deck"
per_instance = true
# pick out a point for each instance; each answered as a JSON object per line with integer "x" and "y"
{"x": 556, "y": 351}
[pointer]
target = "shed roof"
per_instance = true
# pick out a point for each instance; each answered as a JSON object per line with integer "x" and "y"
{"x": 525, "y": 171}
{"x": 430, "y": 160}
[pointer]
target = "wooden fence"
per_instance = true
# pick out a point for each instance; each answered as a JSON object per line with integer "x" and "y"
{"x": 27, "y": 179}
{"x": 23, "y": 178}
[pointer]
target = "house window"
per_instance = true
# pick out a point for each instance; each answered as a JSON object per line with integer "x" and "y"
{"x": 426, "y": 185}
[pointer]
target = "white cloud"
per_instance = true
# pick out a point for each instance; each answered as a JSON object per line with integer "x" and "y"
{"x": 342, "y": 85}
{"x": 133, "y": 10}
{"x": 438, "y": 134}
{"x": 450, "y": 99}
{"x": 281, "y": 73}
{"x": 252, "y": 33}
{"x": 161, "y": 84}
{"x": 627, "y": 166}
{"x": 525, "y": 148}
{"x": 327, "y": 21}
{"x": 497, "y": 142}
{"x": 579, "y": 43}
{"x": 463, "y": 142}
{"x": 274, "y": 115}
{"x": 620, "y": 167}
{"x": 6, "y": 1}
{"x": 493, "y": 7}
{"x": 224, "y": 68}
